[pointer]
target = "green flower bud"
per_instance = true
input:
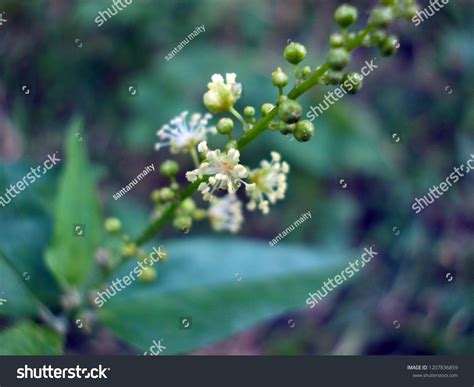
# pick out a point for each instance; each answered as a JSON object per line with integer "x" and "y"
{"x": 345, "y": 15}
{"x": 166, "y": 194}
{"x": 231, "y": 145}
{"x": 336, "y": 40}
{"x": 148, "y": 274}
{"x": 249, "y": 111}
{"x": 381, "y": 17}
{"x": 286, "y": 128}
{"x": 169, "y": 168}
{"x": 338, "y": 58}
{"x": 352, "y": 82}
{"x": 267, "y": 108}
{"x": 410, "y": 11}
{"x": 294, "y": 53}
{"x": 333, "y": 77}
{"x": 155, "y": 196}
{"x": 290, "y": 111}
{"x": 281, "y": 99}
{"x": 199, "y": 214}
{"x": 377, "y": 37}
{"x": 225, "y": 125}
{"x": 279, "y": 78}
{"x": 129, "y": 250}
{"x": 306, "y": 71}
{"x": 113, "y": 225}
{"x": 183, "y": 223}
{"x": 304, "y": 130}
{"x": 389, "y": 45}
{"x": 188, "y": 206}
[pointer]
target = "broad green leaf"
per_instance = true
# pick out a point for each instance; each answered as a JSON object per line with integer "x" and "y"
{"x": 25, "y": 229}
{"x": 200, "y": 280}
{"x": 70, "y": 256}
{"x": 28, "y": 338}
{"x": 15, "y": 298}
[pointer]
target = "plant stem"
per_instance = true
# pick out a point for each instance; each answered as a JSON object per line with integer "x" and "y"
{"x": 239, "y": 117}
{"x": 195, "y": 157}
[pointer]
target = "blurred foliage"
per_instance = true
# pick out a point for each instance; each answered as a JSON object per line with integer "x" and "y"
{"x": 424, "y": 95}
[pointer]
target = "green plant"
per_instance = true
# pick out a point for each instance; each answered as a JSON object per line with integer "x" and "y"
{"x": 144, "y": 309}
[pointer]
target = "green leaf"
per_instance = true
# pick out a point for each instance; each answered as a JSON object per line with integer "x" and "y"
{"x": 200, "y": 281}
{"x": 27, "y": 338}
{"x": 70, "y": 256}
{"x": 25, "y": 231}
{"x": 19, "y": 300}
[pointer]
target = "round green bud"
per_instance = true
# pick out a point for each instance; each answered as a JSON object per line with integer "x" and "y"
{"x": 155, "y": 196}
{"x": 267, "y": 108}
{"x": 410, "y": 11}
{"x": 169, "y": 168}
{"x": 345, "y": 15}
{"x": 306, "y": 71}
{"x": 286, "y": 129}
{"x": 129, "y": 250}
{"x": 225, "y": 125}
{"x": 183, "y": 223}
{"x": 377, "y": 37}
{"x": 112, "y": 225}
{"x": 333, "y": 77}
{"x": 338, "y": 58}
{"x": 174, "y": 186}
{"x": 389, "y": 45}
{"x": 294, "y": 53}
{"x": 188, "y": 206}
{"x": 304, "y": 130}
{"x": 148, "y": 274}
{"x": 166, "y": 194}
{"x": 279, "y": 78}
{"x": 199, "y": 214}
{"x": 381, "y": 17}
{"x": 352, "y": 82}
{"x": 336, "y": 40}
{"x": 249, "y": 111}
{"x": 281, "y": 99}
{"x": 290, "y": 111}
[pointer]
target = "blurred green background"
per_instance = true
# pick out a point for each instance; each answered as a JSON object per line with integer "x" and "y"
{"x": 424, "y": 95}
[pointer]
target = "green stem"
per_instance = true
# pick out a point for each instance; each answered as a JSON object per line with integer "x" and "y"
{"x": 195, "y": 157}
{"x": 239, "y": 117}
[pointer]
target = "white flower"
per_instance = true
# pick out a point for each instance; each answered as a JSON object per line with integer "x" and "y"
{"x": 225, "y": 214}
{"x": 222, "y": 96}
{"x": 268, "y": 183}
{"x": 182, "y": 136}
{"x": 223, "y": 169}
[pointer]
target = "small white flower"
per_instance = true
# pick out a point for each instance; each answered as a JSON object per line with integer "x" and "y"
{"x": 182, "y": 136}
{"x": 222, "y": 96}
{"x": 225, "y": 214}
{"x": 223, "y": 169}
{"x": 267, "y": 183}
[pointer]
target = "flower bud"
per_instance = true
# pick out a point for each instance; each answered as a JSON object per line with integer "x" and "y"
{"x": 286, "y": 128}
{"x": 279, "y": 78}
{"x": 225, "y": 126}
{"x": 389, "y": 45}
{"x": 377, "y": 37}
{"x": 155, "y": 196}
{"x": 267, "y": 108}
{"x": 113, "y": 225}
{"x": 231, "y": 145}
{"x": 249, "y": 111}
{"x": 183, "y": 223}
{"x": 333, "y": 77}
{"x": 352, "y": 82}
{"x": 166, "y": 194}
{"x": 304, "y": 130}
{"x": 148, "y": 274}
{"x": 338, "y": 58}
{"x": 129, "y": 250}
{"x": 169, "y": 168}
{"x": 381, "y": 17}
{"x": 345, "y": 15}
{"x": 306, "y": 71}
{"x": 188, "y": 206}
{"x": 336, "y": 40}
{"x": 294, "y": 53}
{"x": 290, "y": 111}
